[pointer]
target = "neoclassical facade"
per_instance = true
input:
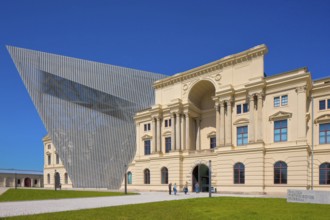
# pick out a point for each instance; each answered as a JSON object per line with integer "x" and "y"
{"x": 54, "y": 166}
{"x": 21, "y": 178}
{"x": 262, "y": 134}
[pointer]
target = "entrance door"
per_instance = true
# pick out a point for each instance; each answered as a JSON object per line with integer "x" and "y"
{"x": 27, "y": 182}
{"x": 57, "y": 180}
{"x": 201, "y": 175}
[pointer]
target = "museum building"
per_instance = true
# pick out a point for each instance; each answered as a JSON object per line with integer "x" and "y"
{"x": 261, "y": 134}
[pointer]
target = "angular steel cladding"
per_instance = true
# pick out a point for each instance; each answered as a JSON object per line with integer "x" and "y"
{"x": 87, "y": 109}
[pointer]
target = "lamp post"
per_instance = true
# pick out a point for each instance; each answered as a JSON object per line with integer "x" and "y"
{"x": 15, "y": 180}
{"x": 55, "y": 180}
{"x": 210, "y": 180}
{"x": 125, "y": 179}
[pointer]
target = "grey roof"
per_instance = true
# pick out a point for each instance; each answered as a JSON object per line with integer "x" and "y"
{"x": 87, "y": 108}
{"x": 28, "y": 172}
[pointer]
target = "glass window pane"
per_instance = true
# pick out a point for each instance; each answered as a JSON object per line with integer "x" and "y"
{"x": 276, "y": 101}
{"x": 245, "y": 107}
{"x": 322, "y": 105}
{"x": 238, "y": 109}
{"x": 284, "y": 100}
{"x": 328, "y": 103}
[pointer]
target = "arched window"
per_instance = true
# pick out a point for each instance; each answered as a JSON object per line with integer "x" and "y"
{"x": 325, "y": 174}
{"x": 66, "y": 178}
{"x": 48, "y": 178}
{"x": 164, "y": 172}
{"x": 129, "y": 177}
{"x": 280, "y": 173}
{"x": 146, "y": 176}
{"x": 239, "y": 173}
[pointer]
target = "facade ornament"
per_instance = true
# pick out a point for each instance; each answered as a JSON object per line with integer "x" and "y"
{"x": 301, "y": 89}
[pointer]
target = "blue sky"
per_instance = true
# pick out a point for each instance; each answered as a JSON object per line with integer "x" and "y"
{"x": 159, "y": 36}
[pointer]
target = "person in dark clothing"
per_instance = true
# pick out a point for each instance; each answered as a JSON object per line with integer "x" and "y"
{"x": 170, "y": 188}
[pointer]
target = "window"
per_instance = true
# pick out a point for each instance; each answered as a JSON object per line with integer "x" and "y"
{"x": 167, "y": 123}
{"x": 66, "y": 178}
{"x": 324, "y": 104}
{"x": 19, "y": 182}
{"x": 146, "y": 147}
{"x": 212, "y": 142}
{"x": 239, "y": 173}
{"x": 146, "y": 176}
{"x": 325, "y": 174}
{"x": 164, "y": 174}
{"x": 284, "y": 100}
{"x": 242, "y": 135}
{"x": 49, "y": 159}
{"x": 57, "y": 159}
{"x": 48, "y": 178}
{"x": 35, "y": 182}
{"x": 167, "y": 144}
{"x": 281, "y": 101}
{"x": 48, "y": 146}
{"x": 129, "y": 177}
{"x": 281, "y": 130}
{"x": 240, "y": 107}
{"x": 147, "y": 127}
{"x": 324, "y": 133}
{"x": 280, "y": 173}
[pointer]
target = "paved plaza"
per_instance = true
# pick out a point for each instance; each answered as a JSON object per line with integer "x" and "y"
{"x": 59, "y": 205}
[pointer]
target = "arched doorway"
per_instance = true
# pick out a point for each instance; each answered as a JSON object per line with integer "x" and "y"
{"x": 27, "y": 182}
{"x": 200, "y": 174}
{"x": 57, "y": 180}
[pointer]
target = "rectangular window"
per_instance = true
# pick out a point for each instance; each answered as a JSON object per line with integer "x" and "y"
{"x": 328, "y": 103}
{"x": 281, "y": 130}
{"x": 147, "y": 127}
{"x": 57, "y": 159}
{"x": 238, "y": 109}
{"x": 322, "y": 105}
{"x": 245, "y": 107}
{"x": 167, "y": 123}
{"x": 212, "y": 142}
{"x": 49, "y": 146}
{"x": 276, "y": 101}
{"x": 284, "y": 100}
{"x": 49, "y": 160}
{"x": 242, "y": 135}
{"x": 167, "y": 144}
{"x": 324, "y": 133}
{"x": 147, "y": 147}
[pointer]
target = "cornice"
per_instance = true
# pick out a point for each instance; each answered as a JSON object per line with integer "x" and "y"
{"x": 230, "y": 60}
{"x": 322, "y": 118}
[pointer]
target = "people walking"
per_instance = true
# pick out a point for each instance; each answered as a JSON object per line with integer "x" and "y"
{"x": 170, "y": 188}
{"x": 174, "y": 189}
{"x": 185, "y": 188}
{"x": 197, "y": 187}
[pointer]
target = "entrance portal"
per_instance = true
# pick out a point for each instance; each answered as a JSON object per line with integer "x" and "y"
{"x": 27, "y": 182}
{"x": 200, "y": 174}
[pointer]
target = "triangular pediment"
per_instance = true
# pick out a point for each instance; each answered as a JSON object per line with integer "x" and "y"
{"x": 280, "y": 115}
{"x": 322, "y": 118}
{"x": 146, "y": 137}
{"x": 241, "y": 121}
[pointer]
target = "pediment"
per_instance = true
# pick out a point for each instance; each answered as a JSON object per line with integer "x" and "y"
{"x": 241, "y": 121}
{"x": 146, "y": 137}
{"x": 280, "y": 115}
{"x": 322, "y": 118}
{"x": 211, "y": 134}
{"x": 167, "y": 133}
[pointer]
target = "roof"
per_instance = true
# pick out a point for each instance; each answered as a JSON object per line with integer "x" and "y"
{"x": 13, "y": 171}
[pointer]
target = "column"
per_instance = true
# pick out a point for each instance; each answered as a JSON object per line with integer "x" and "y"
{"x": 177, "y": 131}
{"x": 217, "y": 122}
{"x": 154, "y": 136}
{"x": 182, "y": 133}
{"x": 198, "y": 138}
{"x": 228, "y": 124}
{"x": 222, "y": 123}
{"x": 259, "y": 124}
{"x": 159, "y": 143}
{"x": 173, "y": 132}
{"x": 301, "y": 91}
{"x": 251, "y": 123}
{"x": 187, "y": 131}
